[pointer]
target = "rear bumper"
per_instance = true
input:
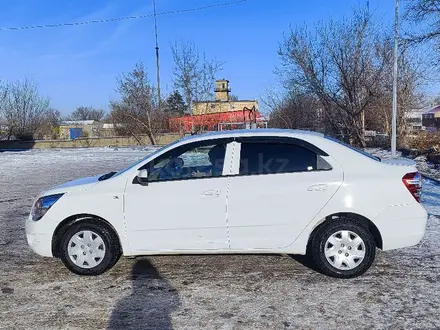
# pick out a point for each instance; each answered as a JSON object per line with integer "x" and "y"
{"x": 402, "y": 226}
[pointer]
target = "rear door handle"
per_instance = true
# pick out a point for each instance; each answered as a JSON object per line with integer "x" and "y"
{"x": 317, "y": 187}
{"x": 211, "y": 193}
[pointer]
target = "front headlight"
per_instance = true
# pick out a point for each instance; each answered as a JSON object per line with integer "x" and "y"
{"x": 43, "y": 205}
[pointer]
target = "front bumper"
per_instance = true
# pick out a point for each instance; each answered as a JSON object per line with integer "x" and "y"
{"x": 38, "y": 237}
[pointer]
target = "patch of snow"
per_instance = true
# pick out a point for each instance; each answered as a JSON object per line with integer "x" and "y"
{"x": 431, "y": 197}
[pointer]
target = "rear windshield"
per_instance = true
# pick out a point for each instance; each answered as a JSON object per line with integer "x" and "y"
{"x": 354, "y": 149}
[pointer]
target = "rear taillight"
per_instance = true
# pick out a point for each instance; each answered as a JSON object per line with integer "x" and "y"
{"x": 413, "y": 182}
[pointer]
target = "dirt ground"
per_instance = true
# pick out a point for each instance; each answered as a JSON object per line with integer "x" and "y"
{"x": 401, "y": 291}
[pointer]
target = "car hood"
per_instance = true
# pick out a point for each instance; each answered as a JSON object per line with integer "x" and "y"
{"x": 81, "y": 184}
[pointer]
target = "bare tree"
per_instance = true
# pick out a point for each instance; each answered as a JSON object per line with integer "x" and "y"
{"x": 87, "y": 113}
{"x": 410, "y": 82}
{"x": 205, "y": 85}
{"x": 23, "y": 109}
{"x": 233, "y": 97}
{"x": 137, "y": 112}
{"x": 194, "y": 74}
{"x": 347, "y": 66}
{"x": 341, "y": 65}
{"x": 186, "y": 71}
{"x": 3, "y": 124}
{"x": 424, "y": 13}
{"x": 50, "y": 126}
{"x": 296, "y": 110}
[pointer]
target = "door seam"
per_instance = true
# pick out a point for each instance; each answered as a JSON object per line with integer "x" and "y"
{"x": 320, "y": 210}
{"x": 227, "y": 196}
{"x": 124, "y": 219}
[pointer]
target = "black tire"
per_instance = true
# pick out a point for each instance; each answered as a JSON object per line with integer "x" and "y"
{"x": 316, "y": 248}
{"x": 111, "y": 243}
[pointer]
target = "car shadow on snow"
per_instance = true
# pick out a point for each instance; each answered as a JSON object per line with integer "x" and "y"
{"x": 306, "y": 261}
{"x": 150, "y": 304}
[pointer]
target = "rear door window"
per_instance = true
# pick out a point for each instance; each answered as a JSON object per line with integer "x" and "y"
{"x": 274, "y": 157}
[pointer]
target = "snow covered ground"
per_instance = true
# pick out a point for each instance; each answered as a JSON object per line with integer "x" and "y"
{"x": 189, "y": 292}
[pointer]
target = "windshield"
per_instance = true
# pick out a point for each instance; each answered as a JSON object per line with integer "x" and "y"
{"x": 366, "y": 154}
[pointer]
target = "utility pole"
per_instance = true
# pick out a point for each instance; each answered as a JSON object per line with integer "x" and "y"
{"x": 157, "y": 56}
{"x": 394, "y": 117}
{"x": 363, "y": 111}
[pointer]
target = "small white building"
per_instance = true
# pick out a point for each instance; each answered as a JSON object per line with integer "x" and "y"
{"x": 414, "y": 119}
{"x": 71, "y": 129}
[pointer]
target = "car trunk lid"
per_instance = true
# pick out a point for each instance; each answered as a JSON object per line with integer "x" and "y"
{"x": 399, "y": 162}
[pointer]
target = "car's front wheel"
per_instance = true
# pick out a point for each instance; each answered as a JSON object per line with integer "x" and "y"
{"x": 343, "y": 248}
{"x": 88, "y": 248}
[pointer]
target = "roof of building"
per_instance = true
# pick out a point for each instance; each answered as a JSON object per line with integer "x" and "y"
{"x": 231, "y": 113}
{"x": 434, "y": 109}
{"x": 222, "y": 101}
{"x": 77, "y": 122}
{"x": 414, "y": 114}
{"x": 417, "y": 113}
{"x": 111, "y": 125}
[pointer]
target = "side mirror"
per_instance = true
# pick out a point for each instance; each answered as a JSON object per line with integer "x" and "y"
{"x": 142, "y": 177}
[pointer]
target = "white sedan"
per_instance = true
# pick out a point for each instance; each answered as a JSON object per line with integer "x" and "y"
{"x": 250, "y": 191}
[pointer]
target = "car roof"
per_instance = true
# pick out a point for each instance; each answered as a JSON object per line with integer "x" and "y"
{"x": 252, "y": 132}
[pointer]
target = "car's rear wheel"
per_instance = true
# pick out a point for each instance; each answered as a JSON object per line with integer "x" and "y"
{"x": 343, "y": 248}
{"x": 88, "y": 248}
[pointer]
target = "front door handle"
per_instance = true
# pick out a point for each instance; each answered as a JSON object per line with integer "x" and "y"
{"x": 211, "y": 193}
{"x": 317, "y": 187}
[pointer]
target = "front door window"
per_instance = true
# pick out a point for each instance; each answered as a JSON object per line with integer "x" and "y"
{"x": 199, "y": 160}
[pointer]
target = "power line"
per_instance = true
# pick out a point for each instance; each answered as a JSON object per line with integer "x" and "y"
{"x": 118, "y": 19}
